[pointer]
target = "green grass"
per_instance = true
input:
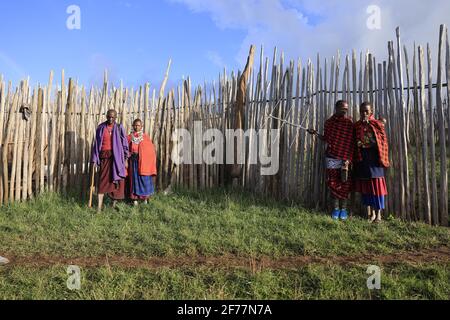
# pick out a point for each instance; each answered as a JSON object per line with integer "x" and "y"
{"x": 429, "y": 281}
{"x": 211, "y": 223}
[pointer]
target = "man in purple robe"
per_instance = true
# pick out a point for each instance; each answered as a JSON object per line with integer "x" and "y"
{"x": 110, "y": 153}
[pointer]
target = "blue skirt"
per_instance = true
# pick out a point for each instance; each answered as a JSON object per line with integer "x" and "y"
{"x": 142, "y": 186}
{"x": 376, "y": 202}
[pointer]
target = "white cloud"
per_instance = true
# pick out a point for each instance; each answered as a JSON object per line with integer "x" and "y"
{"x": 302, "y": 28}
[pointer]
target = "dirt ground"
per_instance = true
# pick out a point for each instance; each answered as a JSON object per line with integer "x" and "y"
{"x": 440, "y": 255}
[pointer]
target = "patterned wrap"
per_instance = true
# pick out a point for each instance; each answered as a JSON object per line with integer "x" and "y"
{"x": 334, "y": 163}
{"x": 380, "y": 136}
{"x": 338, "y": 134}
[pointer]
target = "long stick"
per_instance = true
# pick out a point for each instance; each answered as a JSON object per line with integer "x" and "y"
{"x": 287, "y": 122}
{"x": 91, "y": 193}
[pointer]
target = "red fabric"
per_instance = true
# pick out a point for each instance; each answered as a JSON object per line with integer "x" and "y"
{"x": 147, "y": 156}
{"x": 381, "y": 137}
{"x": 105, "y": 184}
{"x": 339, "y": 189}
{"x": 375, "y": 186}
{"x": 338, "y": 134}
{"x": 134, "y": 148}
{"x": 107, "y": 139}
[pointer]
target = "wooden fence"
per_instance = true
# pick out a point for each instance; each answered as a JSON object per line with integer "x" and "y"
{"x": 49, "y": 148}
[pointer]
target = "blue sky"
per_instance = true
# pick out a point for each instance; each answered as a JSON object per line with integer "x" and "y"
{"x": 134, "y": 39}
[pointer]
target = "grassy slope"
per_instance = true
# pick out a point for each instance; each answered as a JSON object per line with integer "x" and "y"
{"x": 211, "y": 223}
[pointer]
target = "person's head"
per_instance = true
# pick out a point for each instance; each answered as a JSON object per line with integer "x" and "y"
{"x": 341, "y": 108}
{"x": 365, "y": 110}
{"x": 137, "y": 125}
{"x": 111, "y": 116}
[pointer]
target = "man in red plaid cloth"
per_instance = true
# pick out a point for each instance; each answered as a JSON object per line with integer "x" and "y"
{"x": 338, "y": 135}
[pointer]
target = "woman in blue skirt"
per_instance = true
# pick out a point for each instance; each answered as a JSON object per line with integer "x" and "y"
{"x": 142, "y": 165}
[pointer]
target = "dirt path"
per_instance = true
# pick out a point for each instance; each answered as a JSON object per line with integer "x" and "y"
{"x": 440, "y": 255}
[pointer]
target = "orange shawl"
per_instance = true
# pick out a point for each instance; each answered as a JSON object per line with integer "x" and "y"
{"x": 147, "y": 156}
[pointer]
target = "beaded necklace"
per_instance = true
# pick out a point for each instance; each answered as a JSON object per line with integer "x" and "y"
{"x": 137, "y": 139}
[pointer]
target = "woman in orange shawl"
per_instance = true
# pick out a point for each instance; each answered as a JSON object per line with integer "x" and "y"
{"x": 142, "y": 165}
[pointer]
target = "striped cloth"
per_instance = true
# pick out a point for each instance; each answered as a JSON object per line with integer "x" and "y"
{"x": 338, "y": 134}
{"x": 380, "y": 135}
{"x": 339, "y": 190}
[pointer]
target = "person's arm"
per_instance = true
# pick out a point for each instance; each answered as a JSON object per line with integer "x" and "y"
{"x": 95, "y": 156}
{"x": 125, "y": 145}
{"x": 314, "y": 132}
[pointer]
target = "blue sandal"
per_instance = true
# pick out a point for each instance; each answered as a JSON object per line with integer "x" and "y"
{"x": 335, "y": 214}
{"x": 344, "y": 214}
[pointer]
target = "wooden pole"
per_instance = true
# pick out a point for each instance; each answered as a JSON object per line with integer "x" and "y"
{"x": 443, "y": 179}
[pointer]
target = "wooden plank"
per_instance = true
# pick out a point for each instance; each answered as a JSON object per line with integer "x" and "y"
{"x": 53, "y": 146}
{"x": 371, "y": 76}
{"x": 81, "y": 172}
{"x": 147, "y": 109}
{"x": 3, "y": 97}
{"x": 27, "y": 139}
{"x": 431, "y": 133}
{"x": 393, "y": 134}
{"x": 31, "y": 148}
{"x": 424, "y": 135}
{"x": 443, "y": 175}
{"x": 418, "y": 170}
{"x": 303, "y": 139}
{"x": 406, "y": 211}
{"x": 48, "y": 133}
{"x": 19, "y": 150}
{"x": 60, "y": 142}
{"x": 6, "y": 144}
{"x": 16, "y": 116}
{"x": 39, "y": 143}
{"x": 366, "y": 78}
{"x": 386, "y": 109}
{"x": 447, "y": 72}
{"x": 355, "y": 86}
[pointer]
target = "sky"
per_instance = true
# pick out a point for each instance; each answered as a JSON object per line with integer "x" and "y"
{"x": 134, "y": 39}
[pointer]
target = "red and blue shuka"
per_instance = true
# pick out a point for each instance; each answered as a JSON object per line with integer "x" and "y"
{"x": 142, "y": 166}
{"x": 338, "y": 134}
{"x": 110, "y": 151}
{"x": 371, "y": 159}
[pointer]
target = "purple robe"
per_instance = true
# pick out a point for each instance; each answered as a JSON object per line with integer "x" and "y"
{"x": 119, "y": 149}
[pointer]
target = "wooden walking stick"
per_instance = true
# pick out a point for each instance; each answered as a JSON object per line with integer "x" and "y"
{"x": 91, "y": 193}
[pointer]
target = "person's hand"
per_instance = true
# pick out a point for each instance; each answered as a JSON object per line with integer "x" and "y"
{"x": 346, "y": 165}
{"x": 344, "y": 174}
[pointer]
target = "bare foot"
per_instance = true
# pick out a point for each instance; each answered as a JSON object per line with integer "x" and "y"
{"x": 3, "y": 261}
